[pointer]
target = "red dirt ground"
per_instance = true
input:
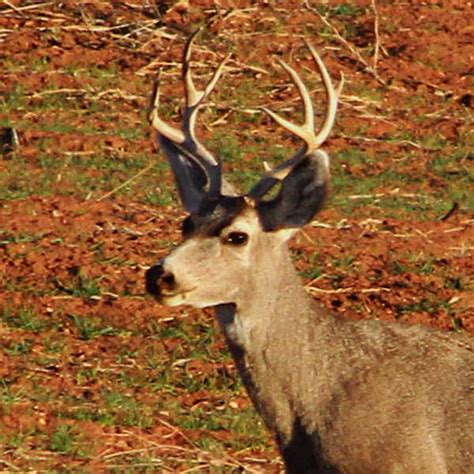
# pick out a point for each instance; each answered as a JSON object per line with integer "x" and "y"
{"x": 370, "y": 263}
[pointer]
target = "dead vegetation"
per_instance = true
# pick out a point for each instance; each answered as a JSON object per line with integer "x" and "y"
{"x": 93, "y": 374}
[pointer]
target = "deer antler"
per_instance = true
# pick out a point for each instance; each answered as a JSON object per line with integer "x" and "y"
{"x": 312, "y": 140}
{"x": 181, "y": 146}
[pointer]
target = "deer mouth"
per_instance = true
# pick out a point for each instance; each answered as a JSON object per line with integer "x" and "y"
{"x": 173, "y": 298}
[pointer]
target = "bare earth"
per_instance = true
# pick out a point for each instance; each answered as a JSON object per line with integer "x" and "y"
{"x": 95, "y": 376}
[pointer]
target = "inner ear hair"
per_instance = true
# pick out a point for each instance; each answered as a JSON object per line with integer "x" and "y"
{"x": 273, "y": 192}
{"x": 302, "y": 194}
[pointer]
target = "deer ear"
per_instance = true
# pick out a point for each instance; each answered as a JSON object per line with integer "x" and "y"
{"x": 192, "y": 179}
{"x": 301, "y": 195}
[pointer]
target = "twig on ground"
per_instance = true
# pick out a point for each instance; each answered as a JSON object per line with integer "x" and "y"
{"x": 367, "y": 67}
{"x": 9, "y": 465}
{"x": 20, "y": 10}
{"x": 315, "y": 289}
{"x": 13, "y": 7}
{"x": 361, "y": 105}
{"x": 203, "y": 458}
{"x": 393, "y": 192}
{"x": 127, "y": 182}
{"x": 70, "y": 92}
{"x": 388, "y": 142}
{"x": 377, "y": 36}
{"x": 342, "y": 224}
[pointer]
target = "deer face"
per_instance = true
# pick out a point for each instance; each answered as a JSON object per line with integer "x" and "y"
{"x": 230, "y": 240}
{"x": 233, "y": 241}
{"x": 220, "y": 260}
{"x": 216, "y": 261}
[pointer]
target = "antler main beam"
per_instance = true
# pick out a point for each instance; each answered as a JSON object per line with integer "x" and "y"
{"x": 306, "y": 131}
{"x": 312, "y": 140}
{"x": 194, "y": 98}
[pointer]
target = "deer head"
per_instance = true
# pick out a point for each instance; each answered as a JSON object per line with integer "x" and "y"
{"x": 231, "y": 242}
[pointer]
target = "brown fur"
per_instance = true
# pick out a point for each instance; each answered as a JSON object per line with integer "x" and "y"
{"x": 340, "y": 396}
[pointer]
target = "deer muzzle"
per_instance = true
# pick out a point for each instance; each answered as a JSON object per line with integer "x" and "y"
{"x": 159, "y": 282}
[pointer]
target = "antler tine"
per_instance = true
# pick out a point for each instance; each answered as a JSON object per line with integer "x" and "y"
{"x": 157, "y": 123}
{"x": 332, "y": 95}
{"x": 194, "y": 98}
{"x": 190, "y": 90}
{"x": 305, "y": 131}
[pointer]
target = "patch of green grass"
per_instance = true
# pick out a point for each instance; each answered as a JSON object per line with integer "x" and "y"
{"x": 19, "y": 348}
{"x": 413, "y": 263}
{"x": 427, "y": 267}
{"x": 127, "y": 411}
{"x": 345, "y": 9}
{"x": 430, "y": 304}
{"x": 110, "y": 163}
{"x": 48, "y": 162}
{"x": 64, "y": 440}
{"x": 13, "y": 100}
{"x": 17, "y": 439}
{"x": 118, "y": 405}
{"x": 341, "y": 10}
{"x": 173, "y": 372}
{"x": 344, "y": 263}
{"x": 87, "y": 375}
{"x": 22, "y": 318}
{"x": 355, "y": 192}
{"x": 80, "y": 285}
{"x": 246, "y": 426}
{"x": 397, "y": 267}
{"x": 245, "y": 179}
{"x": 92, "y": 414}
{"x": 227, "y": 147}
{"x": 315, "y": 269}
{"x": 421, "y": 206}
{"x": 6, "y": 238}
{"x": 9, "y": 395}
{"x": 19, "y": 181}
{"x": 102, "y": 78}
{"x": 116, "y": 260}
{"x": 434, "y": 140}
{"x": 41, "y": 64}
{"x": 61, "y": 127}
{"x": 159, "y": 195}
{"x": 244, "y": 95}
{"x": 134, "y": 133}
{"x": 100, "y": 173}
{"x": 89, "y": 329}
{"x": 456, "y": 171}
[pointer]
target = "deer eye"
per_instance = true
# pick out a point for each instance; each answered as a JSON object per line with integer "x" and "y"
{"x": 236, "y": 238}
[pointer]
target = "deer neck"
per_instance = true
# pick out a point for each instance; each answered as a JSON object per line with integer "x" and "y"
{"x": 265, "y": 334}
{"x": 271, "y": 302}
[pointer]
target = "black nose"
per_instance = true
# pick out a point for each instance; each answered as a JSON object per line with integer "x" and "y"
{"x": 156, "y": 279}
{"x": 152, "y": 279}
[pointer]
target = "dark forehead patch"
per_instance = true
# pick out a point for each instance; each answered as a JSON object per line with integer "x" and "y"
{"x": 213, "y": 216}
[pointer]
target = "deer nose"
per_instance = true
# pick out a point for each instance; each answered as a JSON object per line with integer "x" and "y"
{"x": 158, "y": 279}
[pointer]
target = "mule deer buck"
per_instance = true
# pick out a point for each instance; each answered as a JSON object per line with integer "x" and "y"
{"x": 339, "y": 396}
